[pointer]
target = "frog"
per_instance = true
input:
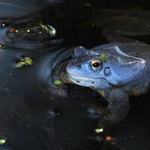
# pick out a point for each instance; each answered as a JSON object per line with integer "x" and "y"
{"x": 116, "y": 69}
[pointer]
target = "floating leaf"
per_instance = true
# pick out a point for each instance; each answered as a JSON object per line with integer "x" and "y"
{"x": 103, "y": 58}
{"x": 99, "y": 130}
{"x": 19, "y": 64}
{"x": 2, "y": 141}
{"x": 24, "y": 61}
{"x": 28, "y": 61}
{"x": 57, "y": 82}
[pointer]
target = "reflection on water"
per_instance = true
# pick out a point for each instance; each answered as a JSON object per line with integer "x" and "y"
{"x": 35, "y": 113}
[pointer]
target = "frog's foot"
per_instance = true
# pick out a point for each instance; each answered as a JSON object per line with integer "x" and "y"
{"x": 118, "y": 105}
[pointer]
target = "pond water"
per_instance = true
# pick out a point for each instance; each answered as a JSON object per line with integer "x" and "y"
{"x": 37, "y": 114}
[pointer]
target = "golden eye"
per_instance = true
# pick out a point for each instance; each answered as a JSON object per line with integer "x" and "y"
{"x": 95, "y": 65}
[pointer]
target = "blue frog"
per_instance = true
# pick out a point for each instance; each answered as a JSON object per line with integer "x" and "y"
{"x": 115, "y": 70}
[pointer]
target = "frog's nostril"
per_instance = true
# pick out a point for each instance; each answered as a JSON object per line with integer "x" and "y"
{"x": 78, "y": 66}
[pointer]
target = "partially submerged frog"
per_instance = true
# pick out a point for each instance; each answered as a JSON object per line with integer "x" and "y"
{"x": 114, "y": 70}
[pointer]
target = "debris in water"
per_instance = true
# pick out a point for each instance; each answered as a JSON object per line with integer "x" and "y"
{"x": 51, "y": 30}
{"x": 108, "y": 138}
{"x": 24, "y": 61}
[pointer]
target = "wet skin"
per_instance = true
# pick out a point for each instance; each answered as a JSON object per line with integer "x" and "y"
{"x": 115, "y": 70}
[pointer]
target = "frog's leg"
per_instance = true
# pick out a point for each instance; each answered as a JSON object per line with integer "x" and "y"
{"x": 118, "y": 33}
{"x": 118, "y": 104}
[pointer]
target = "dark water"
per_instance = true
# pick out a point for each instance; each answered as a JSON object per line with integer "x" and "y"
{"x": 35, "y": 113}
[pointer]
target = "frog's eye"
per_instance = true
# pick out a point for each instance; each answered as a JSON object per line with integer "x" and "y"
{"x": 96, "y": 64}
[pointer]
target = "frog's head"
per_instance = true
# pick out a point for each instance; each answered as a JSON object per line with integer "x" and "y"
{"x": 103, "y": 68}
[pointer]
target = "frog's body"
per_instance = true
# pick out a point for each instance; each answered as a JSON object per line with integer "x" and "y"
{"x": 123, "y": 71}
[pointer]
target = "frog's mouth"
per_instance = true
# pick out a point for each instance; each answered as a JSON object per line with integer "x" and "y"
{"x": 89, "y": 82}
{"x": 77, "y": 79}
{"x": 67, "y": 78}
{"x": 82, "y": 80}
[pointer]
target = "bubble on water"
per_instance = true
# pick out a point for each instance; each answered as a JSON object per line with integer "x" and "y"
{"x": 28, "y": 30}
{"x": 1, "y": 46}
{"x": 52, "y": 30}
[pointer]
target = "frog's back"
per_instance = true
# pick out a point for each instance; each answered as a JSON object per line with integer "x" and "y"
{"x": 141, "y": 51}
{"x": 136, "y": 50}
